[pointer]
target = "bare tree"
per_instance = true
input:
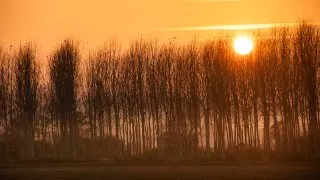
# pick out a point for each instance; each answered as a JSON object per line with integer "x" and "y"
{"x": 26, "y": 95}
{"x": 64, "y": 67}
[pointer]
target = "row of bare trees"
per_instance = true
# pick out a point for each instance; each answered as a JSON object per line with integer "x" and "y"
{"x": 164, "y": 101}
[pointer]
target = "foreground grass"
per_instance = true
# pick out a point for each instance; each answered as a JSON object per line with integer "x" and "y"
{"x": 217, "y": 170}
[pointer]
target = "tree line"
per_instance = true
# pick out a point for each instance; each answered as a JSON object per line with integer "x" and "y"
{"x": 159, "y": 101}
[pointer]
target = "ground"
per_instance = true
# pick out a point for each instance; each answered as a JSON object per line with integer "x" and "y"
{"x": 116, "y": 171}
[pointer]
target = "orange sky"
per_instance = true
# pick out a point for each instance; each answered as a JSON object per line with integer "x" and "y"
{"x": 47, "y": 22}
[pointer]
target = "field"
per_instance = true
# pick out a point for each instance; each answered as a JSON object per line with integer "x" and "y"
{"x": 162, "y": 171}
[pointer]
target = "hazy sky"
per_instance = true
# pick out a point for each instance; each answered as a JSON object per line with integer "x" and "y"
{"x": 47, "y": 22}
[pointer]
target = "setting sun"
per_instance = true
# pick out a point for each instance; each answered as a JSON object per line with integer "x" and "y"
{"x": 243, "y": 45}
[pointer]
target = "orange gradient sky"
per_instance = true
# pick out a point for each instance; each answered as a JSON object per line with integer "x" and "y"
{"x": 47, "y": 22}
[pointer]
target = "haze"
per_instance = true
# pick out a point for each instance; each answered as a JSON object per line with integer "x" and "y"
{"x": 47, "y": 22}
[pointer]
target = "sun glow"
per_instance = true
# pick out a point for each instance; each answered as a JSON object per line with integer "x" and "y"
{"x": 243, "y": 45}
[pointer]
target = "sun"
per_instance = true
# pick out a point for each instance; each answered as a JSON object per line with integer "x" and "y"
{"x": 243, "y": 45}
